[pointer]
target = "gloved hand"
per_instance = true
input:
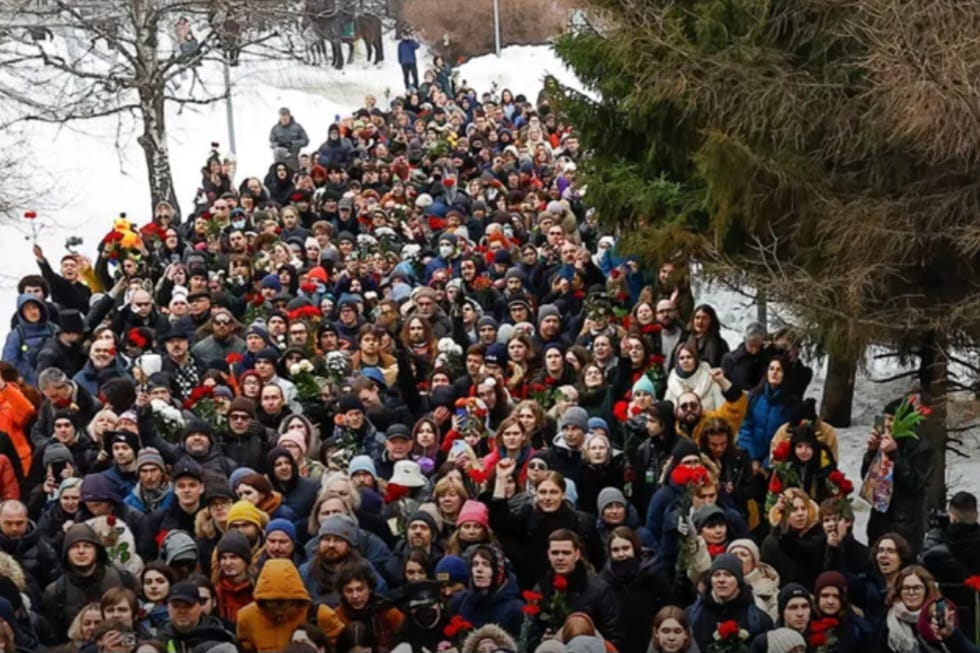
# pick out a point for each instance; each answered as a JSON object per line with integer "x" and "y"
{"x": 684, "y": 526}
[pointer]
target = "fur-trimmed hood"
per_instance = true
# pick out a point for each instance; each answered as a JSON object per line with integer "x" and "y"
{"x": 492, "y": 631}
{"x": 205, "y": 527}
{"x": 10, "y": 568}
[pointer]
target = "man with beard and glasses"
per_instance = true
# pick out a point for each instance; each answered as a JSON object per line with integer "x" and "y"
{"x": 336, "y": 547}
{"x": 691, "y": 417}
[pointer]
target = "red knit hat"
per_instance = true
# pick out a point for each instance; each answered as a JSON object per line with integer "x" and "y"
{"x": 474, "y": 511}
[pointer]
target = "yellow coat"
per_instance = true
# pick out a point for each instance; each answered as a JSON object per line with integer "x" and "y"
{"x": 280, "y": 580}
{"x": 826, "y": 435}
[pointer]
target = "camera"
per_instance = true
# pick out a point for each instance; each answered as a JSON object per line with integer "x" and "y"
{"x": 72, "y": 242}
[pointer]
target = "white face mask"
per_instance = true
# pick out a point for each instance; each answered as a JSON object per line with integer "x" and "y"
{"x": 445, "y": 251}
{"x": 238, "y": 224}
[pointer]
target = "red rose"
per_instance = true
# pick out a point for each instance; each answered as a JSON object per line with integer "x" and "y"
{"x": 818, "y": 639}
{"x": 782, "y": 451}
{"x": 846, "y": 487}
{"x": 478, "y": 475}
{"x": 30, "y": 215}
{"x": 560, "y": 583}
{"x": 925, "y": 411}
{"x": 657, "y": 359}
{"x": 775, "y": 484}
{"x": 635, "y": 410}
{"x": 531, "y": 596}
{"x": 233, "y": 358}
{"x": 340, "y": 419}
{"x": 111, "y": 520}
{"x": 973, "y": 582}
{"x": 531, "y": 610}
{"x": 727, "y": 629}
{"x": 836, "y": 477}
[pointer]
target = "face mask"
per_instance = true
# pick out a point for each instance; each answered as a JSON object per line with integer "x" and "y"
{"x": 238, "y": 224}
{"x": 445, "y": 251}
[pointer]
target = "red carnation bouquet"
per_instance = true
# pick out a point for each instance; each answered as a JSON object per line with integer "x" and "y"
{"x": 822, "y": 636}
{"x": 729, "y": 638}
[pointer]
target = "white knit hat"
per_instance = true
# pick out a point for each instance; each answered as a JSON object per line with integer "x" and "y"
{"x": 784, "y": 640}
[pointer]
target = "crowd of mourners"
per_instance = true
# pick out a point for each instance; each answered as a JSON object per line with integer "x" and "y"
{"x": 404, "y": 393}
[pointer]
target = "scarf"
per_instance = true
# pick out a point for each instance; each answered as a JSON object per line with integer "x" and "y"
{"x": 153, "y": 498}
{"x": 901, "y": 636}
{"x": 682, "y": 374}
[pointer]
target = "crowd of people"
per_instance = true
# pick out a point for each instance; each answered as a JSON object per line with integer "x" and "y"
{"x": 404, "y": 393}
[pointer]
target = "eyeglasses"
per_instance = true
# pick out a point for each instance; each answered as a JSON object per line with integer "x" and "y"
{"x": 222, "y": 322}
{"x": 914, "y": 589}
{"x": 538, "y": 467}
{"x": 690, "y": 405}
{"x": 239, "y": 417}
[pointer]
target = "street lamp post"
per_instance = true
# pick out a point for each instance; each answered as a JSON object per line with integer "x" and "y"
{"x": 496, "y": 26}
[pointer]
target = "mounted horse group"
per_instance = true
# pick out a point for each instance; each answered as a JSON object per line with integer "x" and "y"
{"x": 336, "y": 22}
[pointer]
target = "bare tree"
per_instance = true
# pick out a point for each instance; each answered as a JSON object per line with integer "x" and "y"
{"x": 62, "y": 61}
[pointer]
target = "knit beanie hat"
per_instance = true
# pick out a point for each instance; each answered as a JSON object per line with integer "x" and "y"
{"x": 150, "y": 456}
{"x": 831, "y": 579}
{"x": 283, "y": 525}
{"x": 340, "y": 526}
{"x": 574, "y": 416}
{"x": 705, "y": 514}
{"x": 474, "y": 511}
{"x": 747, "y": 544}
{"x": 295, "y": 438}
{"x": 178, "y": 545}
{"x": 783, "y": 640}
{"x": 362, "y": 463}
{"x": 427, "y": 518}
{"x": 731, "y": 564}
{"x": 236, "y": 543}
{"x": 547, "y": 310}
{"x": 236, "y": 476}
{"x": 607, "y": 496}
{"x": 246, "y": 512}
{"x": 55, "y": 452}
{"x": 683, "y": 449}
{"x": 350, "y": 402}
{"x": 127, "y": 437}
{"x": 644, "y": 384}
{"x": 452, "y": 569}
{"x": 791, "y": 591}
{"x": 242, "y": 405}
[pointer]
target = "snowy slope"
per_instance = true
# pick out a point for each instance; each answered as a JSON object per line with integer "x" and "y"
{"x": 91, "y": 182}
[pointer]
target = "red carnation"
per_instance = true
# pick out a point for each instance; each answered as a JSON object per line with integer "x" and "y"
{"x": 560, "y": 583}
{"x": 699, "y": 475}
{"x": 657, "y": 359}
{"x": 681, "y": 475}
{"x": 635, "y": 410}
{"x": 233, "y": 358}
{"x": 652, "y": 328}
{"x": 728, "y": 629}
{"x": 973, "y": 582}
{"x": 836, "y": 477}
{"x": 531, "y": 610}
{"x": 30, "y": 215}
{"x": 137, "y": 338}
{"x": 308, "y": 287}
{"x": 782, "y": 451}
{"x": 531, "y": 596}
{"x": 478, "y": 474}
{"x": 538, "y": 387}
{"x": 925, "y": 411}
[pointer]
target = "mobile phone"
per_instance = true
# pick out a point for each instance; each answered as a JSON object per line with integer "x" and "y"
{"x": 879, "y": 424}
{"x": 128, "y": 640}
{"x": 941, "y": 613}
{"x": 459, "y": 446}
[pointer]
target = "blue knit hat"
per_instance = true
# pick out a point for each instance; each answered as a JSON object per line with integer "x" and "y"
{"x": 272, "y": 281}
{"x": 362, "y": 463}
{"x": 452, "y": 569}
{"x": 598, "y": 423}
{"x": 644, "y": 384}
{"x": 283, "y": 525}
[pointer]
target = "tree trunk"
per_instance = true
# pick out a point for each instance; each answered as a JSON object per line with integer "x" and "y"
{"x": 933, "y": 371}
{"x": 838, "y": 390}
{"x": 153, "y": 140}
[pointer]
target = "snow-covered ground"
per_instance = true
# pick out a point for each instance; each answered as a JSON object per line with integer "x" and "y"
{"x": 92, "y": 171}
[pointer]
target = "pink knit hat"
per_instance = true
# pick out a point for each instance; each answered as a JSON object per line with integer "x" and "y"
{"x": 295, "y": 438}
{"x": 474, "y": 511}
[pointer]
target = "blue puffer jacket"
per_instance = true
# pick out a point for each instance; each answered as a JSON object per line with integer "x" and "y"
{"x": 768, "y": 410}
{"x": 24, "y": 341}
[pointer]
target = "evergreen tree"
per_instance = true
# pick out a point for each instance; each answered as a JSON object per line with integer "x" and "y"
{"x": 827, "y": 152}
